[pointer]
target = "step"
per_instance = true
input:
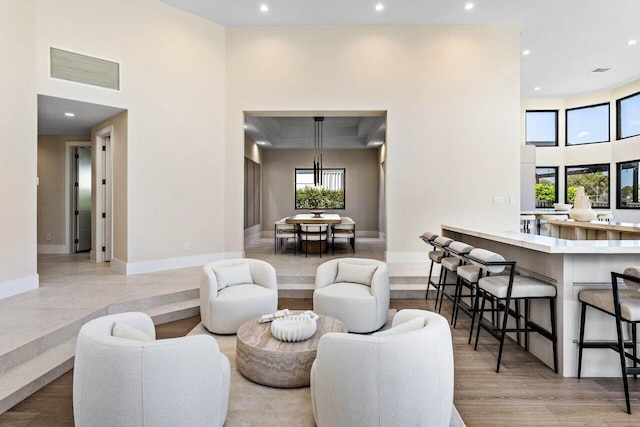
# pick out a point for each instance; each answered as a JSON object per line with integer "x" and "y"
{"x": 24, "y": 380}
{"x": 174, "y": 311}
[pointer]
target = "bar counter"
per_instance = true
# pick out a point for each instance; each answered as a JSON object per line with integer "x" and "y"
{"x": 570, "y": 265}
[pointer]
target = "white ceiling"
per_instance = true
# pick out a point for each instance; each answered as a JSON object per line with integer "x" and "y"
{"x": 298, "y": 132}
{"x": 52, "y": 121}
{"x": 568, "y": 39}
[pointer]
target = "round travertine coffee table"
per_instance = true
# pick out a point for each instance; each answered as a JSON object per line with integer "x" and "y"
{"x": 265, "y": 360}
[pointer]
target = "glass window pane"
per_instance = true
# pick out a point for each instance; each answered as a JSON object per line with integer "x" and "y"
{"x": 328, "y": 195}
{"x": 594, "y": 179}
{"x": 628, "y": 189}
{"x": 541, "y": 128}
{"x": 546, "y": 189}
{"x": 587, "y": 125}
{"x": 629, "y": 116}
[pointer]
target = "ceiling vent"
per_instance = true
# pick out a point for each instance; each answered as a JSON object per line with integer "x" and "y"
{"x": 84, "y": 69}
{"x": 600, "y": 70}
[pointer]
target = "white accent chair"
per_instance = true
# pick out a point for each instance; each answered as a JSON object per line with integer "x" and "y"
{"x": 402, "y": 377}
{"x": 236, "y": 290}
{"x": 354, "y": 291}
{"x": 169, "y": 382}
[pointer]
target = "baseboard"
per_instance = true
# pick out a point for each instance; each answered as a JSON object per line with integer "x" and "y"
{"x": 18, "y": 286}
{"x": 169, "y": 263}
{"x": 53, "y": 249}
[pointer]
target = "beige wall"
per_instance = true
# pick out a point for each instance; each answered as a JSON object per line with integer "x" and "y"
{"x": 278, "y": 172}
{"x": 173, "y": 86}
{"x": 611, "y": 152}
{"x": 119, "y": 150}
{"x": 52, "y": 191}
{"x": 18, "y": 152}
{"x": 452, "y": 97}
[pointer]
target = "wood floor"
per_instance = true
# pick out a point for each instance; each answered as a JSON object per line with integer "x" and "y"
{"x": 524, "y": 393}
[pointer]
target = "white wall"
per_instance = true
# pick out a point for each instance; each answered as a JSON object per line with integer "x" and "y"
{"x": 610, "y": 152}
{"x": 18, "y": 147}
{"x": 452, "y": 99}
{"x": 172, "y": 84}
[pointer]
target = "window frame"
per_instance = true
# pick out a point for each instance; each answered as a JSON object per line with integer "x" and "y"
{"x": 566, "y": 124}
{"x": 619, "y": 122}
{"x": 618, "y": 183}
{"x": 542, "y": 143}
{"x": 556, "y": 172}
{"x": 344, "y": 186}
{"x": 566, "y": 182}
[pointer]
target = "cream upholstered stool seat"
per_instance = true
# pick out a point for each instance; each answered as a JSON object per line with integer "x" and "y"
{"x": 624, "y": 306}
{"x": 234, "y": 291}
{"x": 468, "y": 276}
{"x": 503, "y": 289}
{"x": 123, "y": 376}
{"x": 402, "y": 376}
{"x": 455, "y": 259}
{"x": 436, "y": 256}
{"x": 526, "y": 222}
{"x": 354, "y": 291}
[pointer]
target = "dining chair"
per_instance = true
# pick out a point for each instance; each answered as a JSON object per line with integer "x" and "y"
{"x": 313, "y": 236}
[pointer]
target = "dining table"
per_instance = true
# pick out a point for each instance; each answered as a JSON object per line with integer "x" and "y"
{"x": 314, "y": 219}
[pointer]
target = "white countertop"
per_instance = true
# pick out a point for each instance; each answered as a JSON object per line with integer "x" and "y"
{"x": 550, "y": 244}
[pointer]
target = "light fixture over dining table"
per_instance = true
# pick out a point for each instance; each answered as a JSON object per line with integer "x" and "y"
{"x": 317, "y": 154}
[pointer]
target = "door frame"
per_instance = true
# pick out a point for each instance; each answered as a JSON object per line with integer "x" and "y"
{"x": 102, "y": 137}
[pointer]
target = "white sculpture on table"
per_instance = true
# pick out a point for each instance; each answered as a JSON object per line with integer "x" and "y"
{"x": 582, "y": 207}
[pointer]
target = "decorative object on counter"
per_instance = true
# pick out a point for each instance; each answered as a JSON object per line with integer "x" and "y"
{"x": 295, "y": 328}
{"x": 582, "y": 207}
{"x": 562, "y": 206}
{"x": 266, "y": 318}
{"x": 317, "y": 213}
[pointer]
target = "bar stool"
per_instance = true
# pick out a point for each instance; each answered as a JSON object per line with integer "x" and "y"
{"x": 526, "y": 222}
{"x": 439, "y": 243}
{"x": 506, "y": 288}
{"x": 451, "y": 263}
{"x": 625, "y": 307}
{"x": 551, "y": 217}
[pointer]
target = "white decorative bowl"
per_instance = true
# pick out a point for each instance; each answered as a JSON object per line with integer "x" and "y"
{"x": 293, "y": 328}
{"x": 562, "y": 206}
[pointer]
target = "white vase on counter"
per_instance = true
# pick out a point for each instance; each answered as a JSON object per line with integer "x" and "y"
{"x": 582, "y": 207}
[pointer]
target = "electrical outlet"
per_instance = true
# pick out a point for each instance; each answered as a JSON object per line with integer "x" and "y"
{"x": 497, "y": 200}
{"x": 512, "y": 200}
{"x": 187, "y": 247}
{"x": 48, "y": 237}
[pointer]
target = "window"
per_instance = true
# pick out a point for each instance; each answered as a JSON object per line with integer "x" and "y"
{"x": 542, "y": 128}
{"x": 587, "y": 125}
{"x": 546, "y": 187}
{"x": 628, "y": 116}
{"x": 628, "y": 190}
{"x": 329, "y": 195}
{"x": 594, "y": 179}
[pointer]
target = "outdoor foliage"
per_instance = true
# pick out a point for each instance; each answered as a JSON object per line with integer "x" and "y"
{"x": 546, "y": 192}
{"x": 319, "y": 198}
{"x": 596, "y": 186}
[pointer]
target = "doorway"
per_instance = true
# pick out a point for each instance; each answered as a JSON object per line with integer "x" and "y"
{"x": 81, "y": 190}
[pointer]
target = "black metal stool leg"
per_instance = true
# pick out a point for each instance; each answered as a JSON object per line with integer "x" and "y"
{"x": 623, "y": 362}
{"x": 554, "y": 334}
{"x": 505, "y": 318}
{"x": 481, "y": 314}
{"x": 583, "y": 313}
{"x": 475, "y": 310}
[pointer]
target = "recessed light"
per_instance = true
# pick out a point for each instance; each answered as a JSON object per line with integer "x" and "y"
{"x": 264, "y": 8}
{"x": 526, "y": 52}
{"x": 632, "y": 42}
{"x": 70, "y": 114}
{"x": 379, "y": 7}
{"x": 261, "y": 143}
{"x": 536, "y": 88}
{"x": 600, "y": 70}
{"x": 468, "y": 6}
{"x": 245, "y": 126}
{"x": 377, "y": 143}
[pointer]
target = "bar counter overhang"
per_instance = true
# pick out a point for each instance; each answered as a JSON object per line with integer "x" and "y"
{"x": 570, "y": 265}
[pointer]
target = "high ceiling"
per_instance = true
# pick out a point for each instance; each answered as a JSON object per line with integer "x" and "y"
{"x": 567, "y": 39}
{"x": 53, "y": 121}
{"x": 298, "y": 132}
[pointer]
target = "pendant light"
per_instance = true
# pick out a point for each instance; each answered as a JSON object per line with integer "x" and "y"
{"x": 317, "y": 151}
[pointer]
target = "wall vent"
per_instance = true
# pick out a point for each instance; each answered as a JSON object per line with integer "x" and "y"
{"x": 84, "y": 69}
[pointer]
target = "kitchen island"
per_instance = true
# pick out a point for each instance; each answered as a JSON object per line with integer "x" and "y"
{"x": 570, "y": 265}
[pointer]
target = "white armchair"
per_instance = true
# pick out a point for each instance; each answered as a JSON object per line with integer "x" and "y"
{"x": 133, "y": 382}
{"x": 402, "y": 376}
{"x": 354, "y": 291}
{"x": 234, "y": 291}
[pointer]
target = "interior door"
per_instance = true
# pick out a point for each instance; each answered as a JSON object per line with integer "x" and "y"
{"x": 82, "y": 199}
